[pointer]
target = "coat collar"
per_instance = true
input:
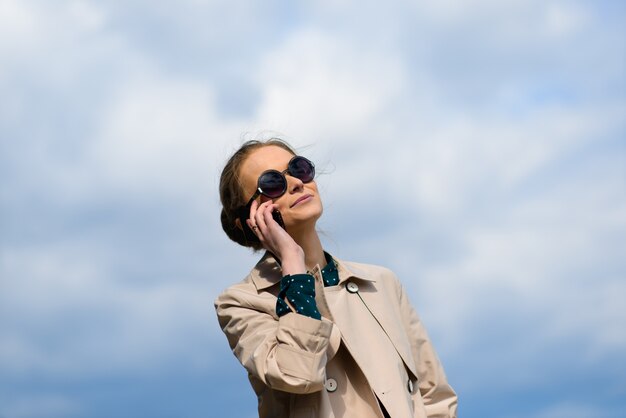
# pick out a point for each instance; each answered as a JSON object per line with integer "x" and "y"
{"x": 267, "y": 272}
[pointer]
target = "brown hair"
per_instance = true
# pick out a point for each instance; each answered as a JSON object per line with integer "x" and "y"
{"x": 231, "y": 190}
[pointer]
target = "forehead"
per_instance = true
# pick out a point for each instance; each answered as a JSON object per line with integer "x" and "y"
{"x": 265, "y": 158}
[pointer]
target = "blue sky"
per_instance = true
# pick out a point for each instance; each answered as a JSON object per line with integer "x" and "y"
{"x": 476, "y": 148}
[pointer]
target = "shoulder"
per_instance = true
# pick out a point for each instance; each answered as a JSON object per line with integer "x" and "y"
{"x": 259, "y": 287}
{"x": 245, "y": 295}
{"x": 242, "y": 291}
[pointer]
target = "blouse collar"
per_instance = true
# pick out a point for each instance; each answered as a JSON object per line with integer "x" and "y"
{"x": 267, "y": 271}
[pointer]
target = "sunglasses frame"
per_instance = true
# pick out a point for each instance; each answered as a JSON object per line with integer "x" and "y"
{"x": 259, "y": 192}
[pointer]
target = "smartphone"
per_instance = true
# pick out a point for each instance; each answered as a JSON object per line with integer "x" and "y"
{"x": 278, "y": 218}
{"x": 250, "y": 235}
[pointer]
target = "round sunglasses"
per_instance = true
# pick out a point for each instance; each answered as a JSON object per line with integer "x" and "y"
{"x": 273, "y": 183}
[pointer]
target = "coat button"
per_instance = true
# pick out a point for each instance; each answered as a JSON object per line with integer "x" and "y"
{"x": 352, "y": 287}
{"x": 330, "y": 385}
{"x": 409, "y": 386}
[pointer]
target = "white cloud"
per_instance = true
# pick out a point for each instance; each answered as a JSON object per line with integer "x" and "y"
{"x": 67, "y": 314}
{"x": 562, "y": 19}
{"x": 19, "y": 24}
{"x": 154, "y": 132}
{"x": 317, "y": 86}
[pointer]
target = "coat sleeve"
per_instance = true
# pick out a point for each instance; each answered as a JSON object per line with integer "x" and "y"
{"x": 286, "y": 353}
{"x": 438, "y": 397}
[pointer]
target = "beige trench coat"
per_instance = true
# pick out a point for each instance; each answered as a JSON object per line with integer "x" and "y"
{"x": 369, "y": 345}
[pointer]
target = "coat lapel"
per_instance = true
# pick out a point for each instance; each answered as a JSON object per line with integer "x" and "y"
{"x": 379, "y": 297}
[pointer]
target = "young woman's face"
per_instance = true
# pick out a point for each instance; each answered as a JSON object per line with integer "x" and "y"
{"x": 301, "y": 203}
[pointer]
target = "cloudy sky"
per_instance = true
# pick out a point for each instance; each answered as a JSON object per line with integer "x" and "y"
{"x": 475, "y": 147}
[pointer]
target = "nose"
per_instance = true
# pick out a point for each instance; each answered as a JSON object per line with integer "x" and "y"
{"x": 294, "y": 184}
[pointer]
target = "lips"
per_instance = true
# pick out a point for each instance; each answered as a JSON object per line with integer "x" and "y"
{"x": 304, "y": 197}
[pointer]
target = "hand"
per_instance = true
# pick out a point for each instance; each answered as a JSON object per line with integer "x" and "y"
{"x": 275, "y": 239}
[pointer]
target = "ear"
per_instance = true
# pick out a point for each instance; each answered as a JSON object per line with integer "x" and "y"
{"x": 238, "y": 224}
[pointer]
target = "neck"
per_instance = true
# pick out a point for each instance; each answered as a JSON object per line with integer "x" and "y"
{"x": 310, "y": 243}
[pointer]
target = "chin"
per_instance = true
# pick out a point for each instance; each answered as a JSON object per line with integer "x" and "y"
{"x": 302, "y": 218}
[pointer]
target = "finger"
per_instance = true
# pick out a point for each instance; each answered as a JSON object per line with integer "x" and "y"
{"x": 253, "y": 210}
{"x": 259, "y": 217}
{"x": 252, "y": 226}
{"x": 251, "y": 221}
{"x": 268, "y": 215}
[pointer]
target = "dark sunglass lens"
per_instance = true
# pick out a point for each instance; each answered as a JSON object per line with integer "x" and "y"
{"x": 302, "y": 168}
{"x": 272, "y": 184}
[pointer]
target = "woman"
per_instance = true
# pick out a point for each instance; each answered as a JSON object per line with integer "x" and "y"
{"x": 319, "y": 337}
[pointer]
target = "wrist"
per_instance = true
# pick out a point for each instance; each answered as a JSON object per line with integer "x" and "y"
{"x": 289, "y": 269}
{"x": 293, "y": 262}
